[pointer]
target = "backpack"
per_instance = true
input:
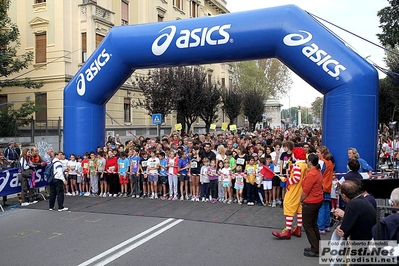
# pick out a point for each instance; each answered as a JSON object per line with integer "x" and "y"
{"x": 49, "y": 173}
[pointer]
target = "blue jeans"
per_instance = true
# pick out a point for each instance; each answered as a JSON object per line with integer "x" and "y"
{"x": 323, "y": 219}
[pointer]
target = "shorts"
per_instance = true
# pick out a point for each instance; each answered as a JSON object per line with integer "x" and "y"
{"x": 283, "y": 184}
{"x": 132, "y": 175}
{"x": 145, "y": 180}
{"x": 73, "y": 177}
{"x": 238, "y": 186}
{"x": 104, "y": 177}
{"x": 86, "y": 178}
{"x": 226, "y": 184}
{"x": 267, "y": 184}
{"x": 123, "y": 180}
{"x": 276, "y": 181}
{"x": 163, "y": 179}
{"x": 152, "y": 178}
{"x": 183, "y": 178}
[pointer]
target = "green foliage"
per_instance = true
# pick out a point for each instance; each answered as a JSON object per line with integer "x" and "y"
{"x": 159, "y": 91}
{"x": 317, "y": 107}
{"x": 389, "y": 24}
{"x": 211, "y": 101}
{"x": 10, "y": 61}
{"x": 253, "y": 105}
{"x": 11, "y": 119}
{"x": 231, "y": 99}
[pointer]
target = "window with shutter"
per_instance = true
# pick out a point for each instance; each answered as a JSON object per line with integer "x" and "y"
{"x": 127, "y": 110}
{"x": 99, "y": 38}
{"x": 41, "y": 99}
{"x": 41, "y": 48}
{"x": 125, "y": 13}
{"x": 84, "y": 47}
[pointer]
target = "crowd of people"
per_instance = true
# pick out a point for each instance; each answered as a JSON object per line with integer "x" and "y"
{"x": 287, "y": 169}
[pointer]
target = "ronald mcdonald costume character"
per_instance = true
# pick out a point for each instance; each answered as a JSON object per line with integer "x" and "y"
{"x": 292, "y": 203}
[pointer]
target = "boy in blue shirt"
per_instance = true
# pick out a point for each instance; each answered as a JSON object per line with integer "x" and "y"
{"x": 163, "y": 174}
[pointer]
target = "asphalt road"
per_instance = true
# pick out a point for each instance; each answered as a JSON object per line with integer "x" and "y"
{"x": 126, "y": 231}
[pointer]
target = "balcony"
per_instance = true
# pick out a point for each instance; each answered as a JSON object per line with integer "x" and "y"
{"x": 97, "y": 13}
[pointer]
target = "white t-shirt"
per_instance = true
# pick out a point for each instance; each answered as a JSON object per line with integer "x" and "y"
{"x": 153, "y": 163}
{"x": 72, "y": 167}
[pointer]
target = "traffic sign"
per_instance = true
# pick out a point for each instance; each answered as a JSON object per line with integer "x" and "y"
{"x": 156, "y": 119}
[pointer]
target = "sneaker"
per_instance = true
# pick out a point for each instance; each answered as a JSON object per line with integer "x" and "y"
{"x": 229, "y": 201}
{"x": 81, "y": 193}
{"x": 197, "y": 199}
{"x": 328, "y": 230}
{"x": 282, "y": 204}
{"x": 68, "y": 194}
{"x": 203, "y": 199}
{"x": 120, "y": 195}
{"x": 137, "y": 196}
{"x": 274, "y": 204}
{"x": 323, "y": 232}
{"x": 33, "y": 202}
{"x": 152, "y": 196}
{"x": 269, "y": 204}
{"x": 124, "y": 195}
{"x": 206, "y": 200}
{"x": 63, "y": 209}
{"x": 224, "y": 201}
{"x": 239, "y": 202}
{"x": 170, "y": 198}
{"x": 104, "y": 195}
{"x": 193, "y": 199}
{"x": 109, "y": 195}
{"x": 115, "y": 195}
{"x": 181, "y": 198}
{"x": 187, "y": 197}
{"x": 156, "y": 196}
{"x": 50, "y": 209}
{"x": 101, "y": 195}
{"x": 24, "y": 204}
{"x": 174, "y": 198}
{"x": 278, "y": 202}
{"x": 235, "y": 201}
{"x": 87, "y": 194}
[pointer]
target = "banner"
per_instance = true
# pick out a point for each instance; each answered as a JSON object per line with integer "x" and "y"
{"x": 9, "y": 183}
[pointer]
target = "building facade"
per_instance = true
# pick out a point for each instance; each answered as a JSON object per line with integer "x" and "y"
{"x": 63, "y": 34}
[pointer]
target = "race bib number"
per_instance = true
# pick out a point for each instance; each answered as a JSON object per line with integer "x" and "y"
{"x": 112, "y": 168}
{"x": 241, "y": 161}
{"x": 193, "y": 164}
{"x": 122, "y": 165}
{"x": 144, "y": 163}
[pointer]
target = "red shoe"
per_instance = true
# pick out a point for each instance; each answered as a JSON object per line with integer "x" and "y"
{"x": 285, "y": 234}
{"x": 297, "y": 231}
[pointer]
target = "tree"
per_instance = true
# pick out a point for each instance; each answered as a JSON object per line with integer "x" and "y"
{"x": 231, "y": 100}
{"x": 291, "y": 113}
{"x": 317, "y": 107}
{"x": 11, "y": 119}
{"x": 253, "y": 105}
{"x": 277, "y": 75}
{"x": 190, "y": 83}
{"x": 10, "y": 61}
{"x": 210, "y": 107}
{"x": 388, "y": 20}
{"x": 159, "y": 92}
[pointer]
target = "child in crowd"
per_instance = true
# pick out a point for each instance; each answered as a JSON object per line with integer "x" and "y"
{"x": 163, "y": 174}
{"x": 153, "y": 167}
{"x": 85, "y": 176}
{"x": 79, "y": 174}
{"x": 143, "y": 172}
{"x": 259, "y": 182}
{"x": 134, "y": 172}
{"x": 123, "y": 169}
{"x": 93, "y": 174}
{"x": 285, "y": 167}
{"x": 194, "y": 172}
{"x": 111, "y": 167}
{"x": 173, "y": 168}
{"x": 213, "y": 180}
{"x": 71, "y": 165}
{"x": 184, "y": 167}
{"x": 250, "y": 180}
{"x": 100, "y": 172}
{"x": 204, "y": 179}
{"x": 225, "y": 174}
{"x": 267, "y": 180}
{"x": 334, "y": 194}
{"x": 220, "y": 166}
{"x": 239, "y": 178}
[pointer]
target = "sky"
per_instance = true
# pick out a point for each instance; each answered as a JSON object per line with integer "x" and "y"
{"x": 357, "y": 16}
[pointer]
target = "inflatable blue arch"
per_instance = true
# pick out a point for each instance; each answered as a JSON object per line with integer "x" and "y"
{"x": 347, "y": 81}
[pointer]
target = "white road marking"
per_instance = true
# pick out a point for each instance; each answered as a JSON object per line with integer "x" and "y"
{"x": 130, "y": 240}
